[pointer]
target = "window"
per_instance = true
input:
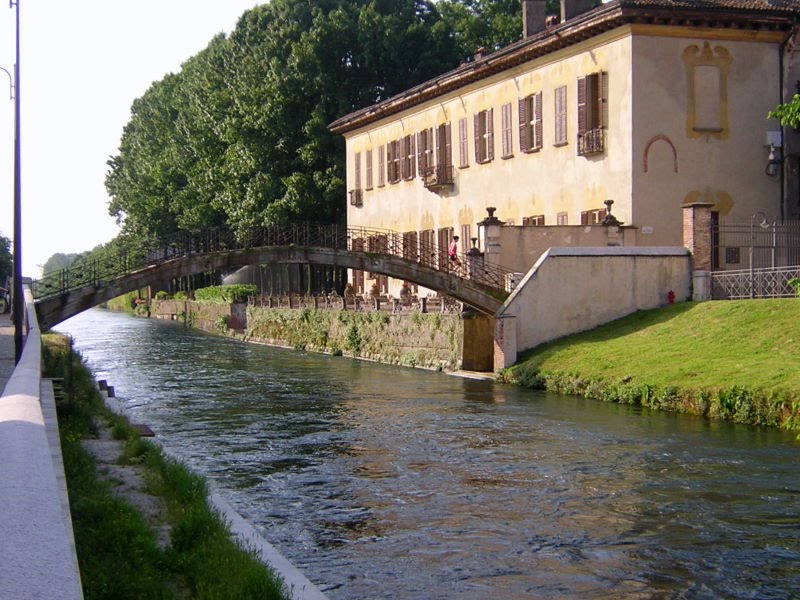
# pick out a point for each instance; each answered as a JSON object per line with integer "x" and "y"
{"x": 508, "y": 150}
{"x": 530, "y": 123}
{"x": 591, "y": 113}
{"x": 424, "y": 151}
{"x": 381, "y": 165}
{"x": 484, "y": 136}
{"x": 561, "y": 116}
{"x": 444, "y": 150}
{"x": 561, "y": 219}
{"x": 445, "y": 234}
{"x": 463, "y": 153}
{"x": 368, "y": 159}
{"x": 534, "y": 221}
{"x": 439, "y": 175}
{"x": 393, "y": 151}
{"x": 593, "y": 217}
{"x": 357, "y": 169}
{"x": 427, "y": 248}
{"x": 407, "y": 162}
{"x": 410, "y": 245}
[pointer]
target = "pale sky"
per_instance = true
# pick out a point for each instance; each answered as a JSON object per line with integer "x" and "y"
{"x": 83, "y": 63}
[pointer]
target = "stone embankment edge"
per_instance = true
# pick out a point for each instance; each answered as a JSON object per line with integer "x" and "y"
{"x": 297, "y": 584}
{"x": 37, "y": 544}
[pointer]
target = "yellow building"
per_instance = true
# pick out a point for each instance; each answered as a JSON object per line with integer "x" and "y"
{"x": 650, "y": 103}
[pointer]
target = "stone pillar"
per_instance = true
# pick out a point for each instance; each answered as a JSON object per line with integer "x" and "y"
{"x": 505, "y": 342}
{"x": 697, "y": 239}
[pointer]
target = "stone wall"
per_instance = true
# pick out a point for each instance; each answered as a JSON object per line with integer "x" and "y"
{"x": 414, "y": 339}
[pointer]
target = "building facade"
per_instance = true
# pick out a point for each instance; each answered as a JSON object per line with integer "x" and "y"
{"x": 653, "y": 104}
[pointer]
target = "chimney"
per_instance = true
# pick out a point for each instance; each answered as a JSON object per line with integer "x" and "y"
{"x": 533, "y": 15}
{"x": 573, "y": 8}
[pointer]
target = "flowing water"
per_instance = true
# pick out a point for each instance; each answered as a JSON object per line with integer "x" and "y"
{"x": 385, "y": 482}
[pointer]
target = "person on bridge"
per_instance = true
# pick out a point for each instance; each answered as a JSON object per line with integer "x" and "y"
{"x": 452, "y": 253}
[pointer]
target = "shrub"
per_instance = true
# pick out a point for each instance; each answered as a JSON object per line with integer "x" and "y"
{"x": 226, "y": 293}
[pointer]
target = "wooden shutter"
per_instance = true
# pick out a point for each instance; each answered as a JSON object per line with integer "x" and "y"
{"x": 524, "y": 126}
{"x": 448, "y": 145}
{"x": 381, "y": 164}
{"x": 463, "y": 151}
{"x": 602, "y": 80}
{"x": 357, "y": 171}
{"x": 536, "y": 106}
{"x": 490, "y": 134}
{"x": 582, "y": 116}
{"x": 421, "y": 151}
{"x": 479, "y": 139}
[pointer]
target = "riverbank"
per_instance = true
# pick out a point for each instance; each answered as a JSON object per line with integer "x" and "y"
{"x": 735, "y": 361}
{"x": 143, "y": 525}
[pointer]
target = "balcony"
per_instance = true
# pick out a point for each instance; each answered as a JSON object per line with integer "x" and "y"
{"x": 438, "y": 177}
{"x": 356, "y": 198}
{"x": 592, "y": 141}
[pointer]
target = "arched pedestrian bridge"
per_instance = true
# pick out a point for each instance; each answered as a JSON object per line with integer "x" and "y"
{"x": 65, "y": 293}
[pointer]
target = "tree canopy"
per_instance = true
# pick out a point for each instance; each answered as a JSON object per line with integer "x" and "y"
{"x": 238, "y": 138}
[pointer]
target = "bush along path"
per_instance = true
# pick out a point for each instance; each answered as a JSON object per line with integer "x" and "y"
{"x": 142, "y": 522}
{"x": 734, "y": 360}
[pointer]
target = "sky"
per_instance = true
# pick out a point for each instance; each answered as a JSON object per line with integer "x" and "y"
{"x": 82, "y": 64}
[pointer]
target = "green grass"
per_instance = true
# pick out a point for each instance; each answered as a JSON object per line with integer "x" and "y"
{"x": 117, "y": 551}
{"x": 737, "y": 360}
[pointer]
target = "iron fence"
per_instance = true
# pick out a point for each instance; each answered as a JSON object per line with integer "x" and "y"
{"x": 755, "y": 283}
{"x": 755, "y": 259}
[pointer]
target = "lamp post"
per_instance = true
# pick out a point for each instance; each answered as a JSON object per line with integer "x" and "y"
{"x": 18, "y": 304}
{"x": 763, "y": 224}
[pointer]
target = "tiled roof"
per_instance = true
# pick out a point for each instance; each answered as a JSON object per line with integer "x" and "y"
{"x": 757, "y": 5}
{"x": 738, "y": 14}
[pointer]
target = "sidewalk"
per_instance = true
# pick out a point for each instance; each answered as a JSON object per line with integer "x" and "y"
{"x": 6, "y": 349}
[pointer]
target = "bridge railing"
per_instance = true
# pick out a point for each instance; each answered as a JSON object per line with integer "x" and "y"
{"x": 118, "y": 263}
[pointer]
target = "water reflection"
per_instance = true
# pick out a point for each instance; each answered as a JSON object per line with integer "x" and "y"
{"x": 383, "y": 482}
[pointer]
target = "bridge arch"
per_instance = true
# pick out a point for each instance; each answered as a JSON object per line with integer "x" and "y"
{"x": 55, "y": 307}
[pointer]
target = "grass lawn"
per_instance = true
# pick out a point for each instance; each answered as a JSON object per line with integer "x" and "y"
{"x": 693, "y": 351}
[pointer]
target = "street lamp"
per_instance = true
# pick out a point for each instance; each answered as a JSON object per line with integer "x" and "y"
{"x": 18, "y": 304}
{"x": 763, "y": 224}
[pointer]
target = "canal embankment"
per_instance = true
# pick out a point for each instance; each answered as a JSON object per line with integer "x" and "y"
{"x": 732, "y": 361}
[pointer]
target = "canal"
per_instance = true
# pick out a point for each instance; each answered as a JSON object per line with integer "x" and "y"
{"x": 385, "y": 482}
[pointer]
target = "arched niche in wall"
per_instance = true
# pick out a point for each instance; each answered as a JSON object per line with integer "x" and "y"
{"x": 660, "y": 138}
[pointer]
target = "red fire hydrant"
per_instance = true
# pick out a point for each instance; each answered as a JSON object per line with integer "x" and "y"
{"x": 671, "y": 297}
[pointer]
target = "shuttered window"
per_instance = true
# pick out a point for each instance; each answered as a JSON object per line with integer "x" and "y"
{"x": 368, "y": 165}
{"x": 508, "y": 150}
{"x": 530, "y": 123}
{"x": 424, "y": 151}
{"x": 393, "y": 158}
{"x": 444, "y": 150}
{"x": 463, "y": 151}
{"x": 407, "y": 157}
{"x": 484, "y": 136}
{"x": 591, "y": 102}
{"x": 560, "y": 116}
{"x": 381, "y": 165}
{"x": 357, "y": 169}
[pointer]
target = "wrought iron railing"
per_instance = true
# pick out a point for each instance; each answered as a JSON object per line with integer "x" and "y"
{"x": 100, "y": 271}
{"x": 437, "y": 177}
{"x": 753, "y": 283}
{"x": 592, "y": 141}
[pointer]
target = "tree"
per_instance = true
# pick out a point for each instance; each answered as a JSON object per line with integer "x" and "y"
{"x": 6, "y": 260}
{"x": 239, "y": 137}
{"x": 787, "y": 114}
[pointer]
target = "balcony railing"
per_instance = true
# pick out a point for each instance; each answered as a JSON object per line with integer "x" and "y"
{"x": 357, "y": 198}
{"x": 437, "y": 177}
{"x": 592, "y": 141}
